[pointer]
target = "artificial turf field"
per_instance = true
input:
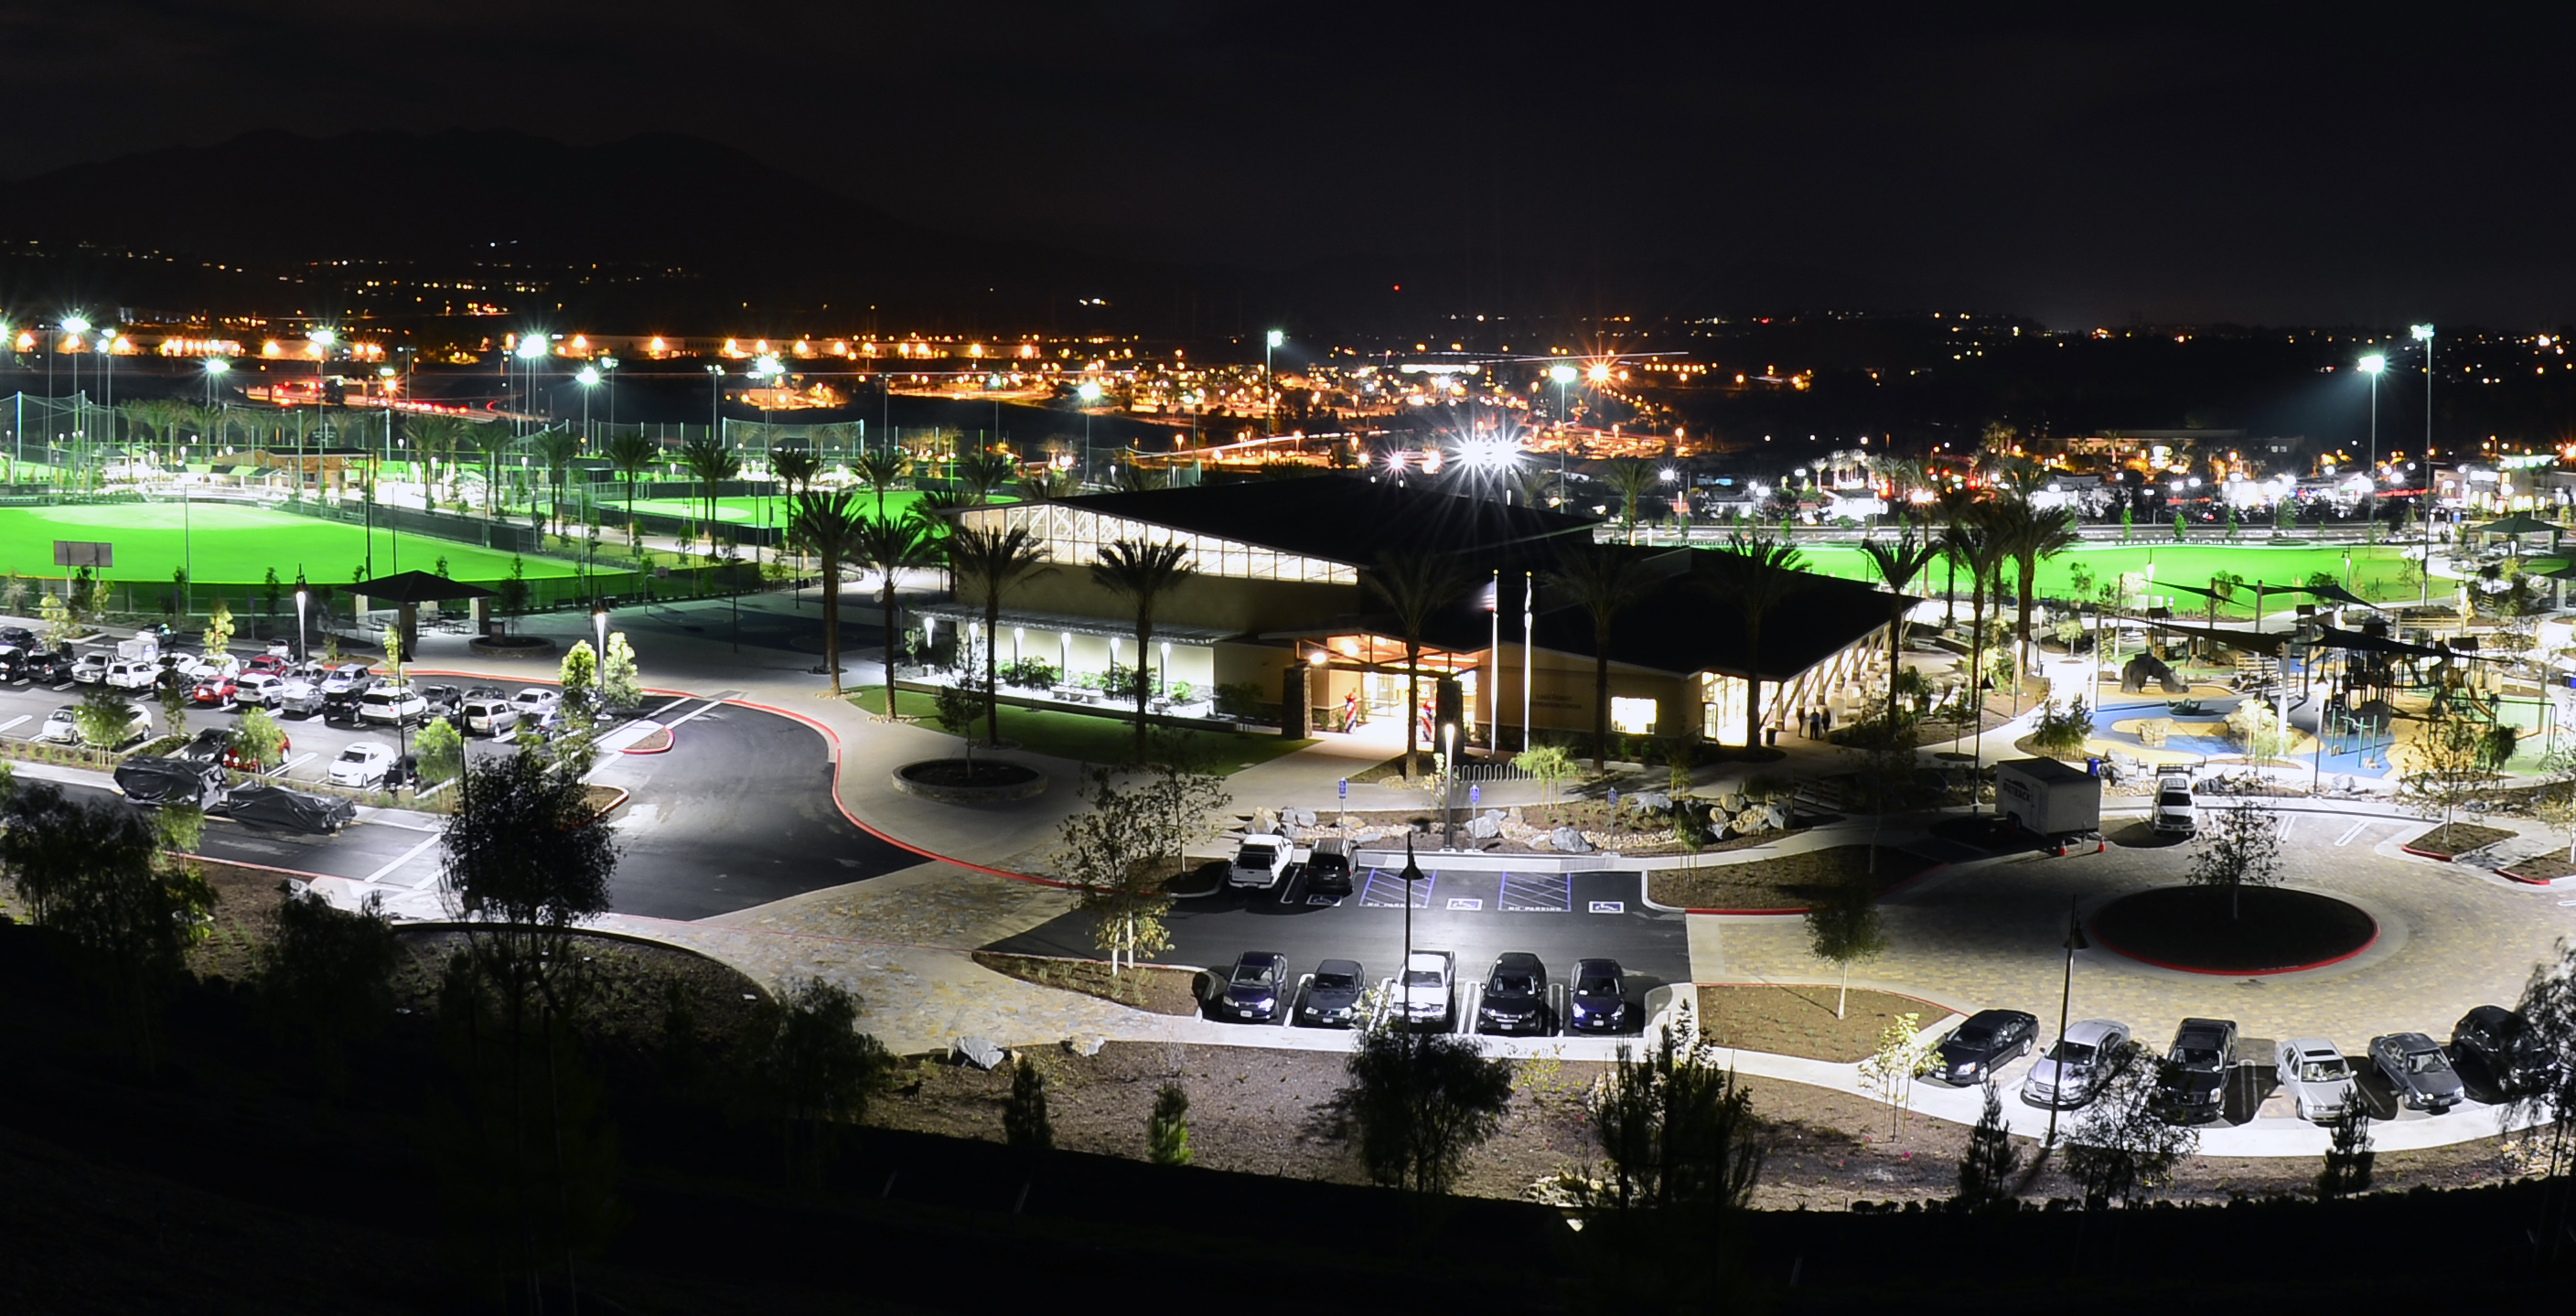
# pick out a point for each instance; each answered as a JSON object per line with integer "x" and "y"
{"x": 2377, "y": 570}
{"x": 231, "y": 545}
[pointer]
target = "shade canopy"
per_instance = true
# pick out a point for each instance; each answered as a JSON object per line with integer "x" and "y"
{"x": 418, "y": 587}
{"x": 2520, "y": 523}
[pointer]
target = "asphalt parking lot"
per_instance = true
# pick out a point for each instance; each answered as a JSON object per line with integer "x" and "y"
{"x": 1476, "y": 915}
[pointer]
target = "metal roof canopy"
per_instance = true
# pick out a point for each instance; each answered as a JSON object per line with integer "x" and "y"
{"x": 416, "y": 587}
{"x": 962, "y": 613}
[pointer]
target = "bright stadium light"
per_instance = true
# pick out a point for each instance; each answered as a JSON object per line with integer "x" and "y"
{"x": 1562, "y": 374}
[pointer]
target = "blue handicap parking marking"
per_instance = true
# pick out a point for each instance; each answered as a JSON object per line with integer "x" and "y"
{"x": 1385, "y": 890}
{"x": 1609, "y": 907}
{"x": 1465, "y": 903}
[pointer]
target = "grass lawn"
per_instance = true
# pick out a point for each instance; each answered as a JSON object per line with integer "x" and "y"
{"x": 233, "y": 546}
{"x": 1088, "y": 737}
{"x": 757, "y": 511}
{"x": 2377, "y": 571}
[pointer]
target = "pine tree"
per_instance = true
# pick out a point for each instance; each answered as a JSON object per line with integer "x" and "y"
{"x": 1167, "y": 1131}
{"x": 1024, "y": 1119}
{"x": 1987, "y": 1166}
{"x": 2348, "y": 1157}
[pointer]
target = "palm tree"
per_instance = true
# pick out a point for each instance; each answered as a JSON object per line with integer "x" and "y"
{"x": 158, "y": 416}
{"x": 881, "y": 468}
{"x": 889, "y": 544}
{"x": 1972, "y": 542}
{"x": 630, "y": 455}
{"x": 2026, "y": 534}
{"x": 1049, "y": 482}
{"x": 1630, "y": 478}
{"x": 1898, "y": 564}
{"x": 1128, "y": 477}
{"x": 1949, "y": 508}
{"x": 795, "y": 468}
{"x": 1414, "y": 585}
{"x": 489, "y": 439}
{"x": 1604, "y": 582}
{"x": 558, "y": 448}
{"x": 1142, "y": 574}
{"x": 1757, "y": 574}
{"x": 710, "y": 461}
{"x": 978, "y": 475}
{"x": 993, "y": 561}
{"x": 827, "y": 526}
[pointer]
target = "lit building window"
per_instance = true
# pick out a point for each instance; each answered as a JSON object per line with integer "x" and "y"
{"x": 1634, "y": 717}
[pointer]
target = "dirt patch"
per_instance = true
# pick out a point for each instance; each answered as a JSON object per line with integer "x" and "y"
{"x": 1799, "y": 1020}
{"x": 245, "y": 919}
{"x": 654, "y": 742}
{"x": 1251, "y": 1109}
{"x": 2451, "y": 840}
{"x": 627, "y": 991}
{"x": 1154, "y": 988}
{"x": 1789, "y": 882}
{"x": 2540, "y": 867}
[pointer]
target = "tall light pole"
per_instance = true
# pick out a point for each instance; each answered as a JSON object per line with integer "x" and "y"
{"x": 215, "y": 368}
{"x": 1089, "y": 393}
{"x": 588, "y": 377}
{"x": 321, "y": 340}
{"x": 1270, "y": 342}
{"x": 2372, "y": 365}
{"x": 2423, "y": 333}
{"x": 299, "y": 624}
{"x": 531, "y": 347}
{"x": 75, "y": 326}
{"x": 2065, "y": 1003}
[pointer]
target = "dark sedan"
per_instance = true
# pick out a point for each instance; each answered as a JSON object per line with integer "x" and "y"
{"x": 1333, "y": 995}
{"x": 1599, "y": 997}
{"x": 1254, "y": 989}
{"x": 1988, "y": 1041}
{"x": 2503, "y": 1045}
{"x": 2416, "y": 1071}
{"x": 1515, "y": 996}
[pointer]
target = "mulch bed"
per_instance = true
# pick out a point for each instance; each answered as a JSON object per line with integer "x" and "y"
{"x": 958, "y": 772}
{"x": 627, "y": 991}
{"x": 655, "y": 741}
{"x": 2452, "y": 840}
{"x": 1786, "y": 884}
{"x": 1799, "y": 1020}
{"x": 1153, "y": 988}
{"x": 2547, "y": 867}
{"x": 2273, "y": 930}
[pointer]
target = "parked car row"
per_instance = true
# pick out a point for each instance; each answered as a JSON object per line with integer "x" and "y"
{"x": 1514, "y": 998}
{"x": 1264, "y": 860}
{"x": 2191, "y": 1077}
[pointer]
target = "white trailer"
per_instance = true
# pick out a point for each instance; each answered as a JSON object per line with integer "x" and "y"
{"x": 2049, "y": 798}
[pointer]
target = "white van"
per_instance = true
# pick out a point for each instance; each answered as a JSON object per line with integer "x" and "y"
{"x": 133, "y": 674}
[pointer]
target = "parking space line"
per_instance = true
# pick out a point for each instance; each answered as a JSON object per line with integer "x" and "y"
{"x": 2288, "y": 821}
{"x": 1288, "y": 1008}
{"x": 1537, "y": 892}
{"x": 407, "y": 856}
{"x": 711, "y": 706}
{"x": 2355, "y": 830}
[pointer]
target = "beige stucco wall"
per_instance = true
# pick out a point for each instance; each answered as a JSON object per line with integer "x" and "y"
{"x": 1212, "y": 602}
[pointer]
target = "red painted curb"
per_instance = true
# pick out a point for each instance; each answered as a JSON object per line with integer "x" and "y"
{"x": 2114, "y": 948}
{"x": 2434, "y": 855}
{"x": 835, "y": 738}
{"x": 668, "y": 741}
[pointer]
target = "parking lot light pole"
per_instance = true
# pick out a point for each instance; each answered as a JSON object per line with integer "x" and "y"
{"x": 2065, "y": 1002}
{"x": 1449, "y": 786}
{"x": 299, "y": 626}
{"x": 1404, "y": 994}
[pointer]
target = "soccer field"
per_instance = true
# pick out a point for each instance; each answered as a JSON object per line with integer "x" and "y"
{"x": 225, "y": 544}
{"x": 2377, "y": 570}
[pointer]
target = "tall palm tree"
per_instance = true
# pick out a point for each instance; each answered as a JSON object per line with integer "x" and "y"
{"x": 1049, "y": 482}
{"x": 488, "y": 439}
{"x": 557, "y": 449}
{"x": 1604, "y": 582}
{"x": 710, "y": 461}
{"x": 978, "y": 475}
{"x": 889, "y": 544}
{"x": 1142, "y": 574}
{"x": 827, "y": 526}
{"x": 1971, "y": 542}
{"x": 1128, "y": 477}
{"x": 1414, "y": 585}
{"x": 1756, "y": 574}
{"x": 881, "y": 467}
{"x": 1630, "y": 478}
{"x": 1949, "y": 508}
{"x": 630, "y": 455}
{"x": 2026, "y": 534}
{"x": 993, "y": 561}
{"x": 160, "y": 417}
{"x": 795, "y": 468}
{"x": 1898, "y": 564}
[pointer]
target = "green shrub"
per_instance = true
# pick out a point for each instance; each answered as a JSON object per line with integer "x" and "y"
{"x": 2062, "y": 730}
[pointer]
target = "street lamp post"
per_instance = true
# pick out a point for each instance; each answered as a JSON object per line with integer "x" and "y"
{"x": 2065, "y": 1004}
{"x": 588, "y": 378}
{"x": 299, "y": 624}
{"x": 1089, "y": 393}
{"x": 215, "y": 368}
{"x": 1448, "y": 786}
{"x": 1403, "y": 971}
{"x": 531, "y": 347}
{"x": 74, "y": 326}
{"x": 2423, "y": 333}
{"x": 1270, "y": 342}
{"x": 2372, "y": 365}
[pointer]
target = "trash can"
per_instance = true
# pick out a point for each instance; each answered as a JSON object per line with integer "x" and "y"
{"x": 1771, "y": 737}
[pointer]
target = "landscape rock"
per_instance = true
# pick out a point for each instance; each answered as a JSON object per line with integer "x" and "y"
{"x": 1299, "y": 817}
{"x": 979, "y": 1052}
{"x": 1265, "y": 822}
{"x": 1084, "y": 1045}
{"x": 1569, "y": 840}
{"x": 1484, "y": 827}
{"x": 1650, "y": 801}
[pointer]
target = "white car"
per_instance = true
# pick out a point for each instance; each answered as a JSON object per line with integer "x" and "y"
{"x": 1259, "y": 862}
{"x": 362, "y": 764}
{"x": 2316, "y": 1077}
{"x": 536, "y": 699}
{"x": 2073, "y": 1070}
{"x": 62, "y": 726}
{"x": 125, "y": 674}
{"x": 213, "y": 666}
{"x": 92, "y": 667}
{"x": 259, "y": 689}
{"x": 1423, "y": 997}
{"x": 490, "y": 717}
{"x": 2173, "y": 813}
{"x": 392, "y": 705}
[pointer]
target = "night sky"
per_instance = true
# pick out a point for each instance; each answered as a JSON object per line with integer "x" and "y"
{"x": 2344, "y": 165}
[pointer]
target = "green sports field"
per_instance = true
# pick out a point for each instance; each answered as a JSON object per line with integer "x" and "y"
{"x": 228, "y": 545}
{"x": 2377, "y": 570}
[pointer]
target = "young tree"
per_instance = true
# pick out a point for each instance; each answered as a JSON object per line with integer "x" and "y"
{"x": 1167, "y": 1130}
{"x": 102, "y": 717}
{"x": 1988, "y": 1163}
{"x": 2120, "y": 1149}
{"x": 2241, "y": 848}
{"x": 621, "y": 688}
{"x": 59, "y": 627}
{"x": 1550, "y": 764}
{"x": 2348, "y": 1156}
{"x": 2255, "y": 726}
{"x": 1420, "y": 1102}
{"x": 2446, "y": 764}
{"x": 958, "y": 711}
{"x": 1677, "y": 1131}
{"x": 1024, "y": 1117}
{"x": 391, "y": 642}
{"x": 327, "y": 974}
{"x": 1890, "y": 1071}
{"x": 578, "y": 678}
{"x": 1414, "y": 585}
{"x": 1107, "y": 855}
{"x": 261, "y": 742}
{"x": 440, "y": 748}
{"x": 1844, "y": 928}
{"x": 2547, "y": 1109}
{"x": 173, "y": 699}
{"x": 219, "y": 629}
{"x": 819, "y": 1069}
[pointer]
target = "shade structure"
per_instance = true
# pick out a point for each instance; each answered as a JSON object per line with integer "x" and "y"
{"x": 2520, "y": 523}
{"x": 418, "y": 587}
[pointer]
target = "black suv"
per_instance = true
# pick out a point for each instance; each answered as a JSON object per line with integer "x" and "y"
{"x": 341, "y": 708}
{"x": 1328, "y": 870}
{"x": 1988, "y": 1041}
{"x": 1515, "y": 997}
{"x": 45, "y": 669}
{"x": 2191, "y": 1083}
{"x": 441, "y": 704}
{"x": 2502, "y": 1044}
